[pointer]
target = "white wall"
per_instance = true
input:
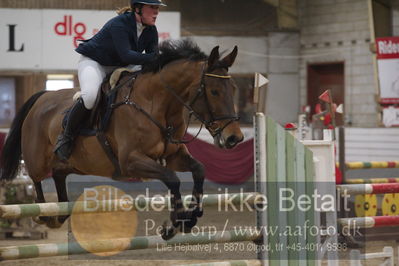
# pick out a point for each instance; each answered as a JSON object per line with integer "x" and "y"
{"x": 371, "y": 144}
{"x": 283, "y": 64}
{"x": 338, "y": 31}
{"x": 251, "y": 51}
{"x": 275, "y": 55}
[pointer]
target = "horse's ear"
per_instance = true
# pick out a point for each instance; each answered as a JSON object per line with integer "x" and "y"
{"x": 213, "y": 57}
{"x": 228, "y": 60}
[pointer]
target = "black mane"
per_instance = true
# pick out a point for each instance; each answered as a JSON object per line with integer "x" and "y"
{"x": 171, "y": 50}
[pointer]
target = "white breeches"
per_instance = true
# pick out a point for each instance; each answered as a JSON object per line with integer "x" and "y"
{"x": 91, "y": 75}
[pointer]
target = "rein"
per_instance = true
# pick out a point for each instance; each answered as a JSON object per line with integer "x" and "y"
{"x": 169, "y": 131}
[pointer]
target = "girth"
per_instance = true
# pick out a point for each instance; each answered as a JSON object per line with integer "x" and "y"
{"x": 103, "y": 124}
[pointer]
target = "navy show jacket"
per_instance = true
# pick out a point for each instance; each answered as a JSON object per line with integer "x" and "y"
{"x": 116, "y": 43}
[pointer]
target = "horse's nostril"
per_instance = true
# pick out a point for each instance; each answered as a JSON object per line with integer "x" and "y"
{"x": 231, "y": 141}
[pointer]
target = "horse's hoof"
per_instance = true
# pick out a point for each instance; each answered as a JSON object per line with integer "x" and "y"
{"x": 53, "y": 223}
{"x": 37, "y": 220}
{"x": 168, "y": 231}
{"x": 258, "y": 241}
{"x": 62, "y": 218}
{"x": 188, "y": 225}
{"x": 198, "y": 212}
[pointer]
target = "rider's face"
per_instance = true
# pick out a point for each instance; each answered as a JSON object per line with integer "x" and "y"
{"x": 149, "y": 14}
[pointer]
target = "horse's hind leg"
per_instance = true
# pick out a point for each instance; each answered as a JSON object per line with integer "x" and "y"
{"x": 39, "y": 199}
{"x": 60, "y": 185}
{"x": 51, "y": 222}
{"x": 59, "y": 177}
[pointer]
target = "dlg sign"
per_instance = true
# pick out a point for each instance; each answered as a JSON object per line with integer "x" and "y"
{"x": 68, "y": 27}
{"x": 45, "y": 39}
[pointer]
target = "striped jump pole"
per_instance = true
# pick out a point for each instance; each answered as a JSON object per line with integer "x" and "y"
{"x": 369, "y": 222}
{"x": 138, "y": 204}
{"x": 372, "y": 164}
{"x": 377, "y": 180}
{"x": 98, "y": 246}
{"x": 387, "y": 254}
{"x": 361, "y": 189}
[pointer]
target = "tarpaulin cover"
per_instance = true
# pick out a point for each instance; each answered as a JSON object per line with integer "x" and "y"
{"x": 224, "y": 166}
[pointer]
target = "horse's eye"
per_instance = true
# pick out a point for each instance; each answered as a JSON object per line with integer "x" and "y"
{"x": 215, "y": 92}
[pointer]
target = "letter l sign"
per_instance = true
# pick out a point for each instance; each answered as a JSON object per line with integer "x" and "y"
{"x": 12, "y": 39}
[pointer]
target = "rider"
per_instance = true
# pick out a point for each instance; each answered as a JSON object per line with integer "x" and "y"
{"x": 120, "y": 42}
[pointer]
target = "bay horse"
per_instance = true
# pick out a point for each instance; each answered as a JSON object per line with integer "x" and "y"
{"x": 147, "y": 125}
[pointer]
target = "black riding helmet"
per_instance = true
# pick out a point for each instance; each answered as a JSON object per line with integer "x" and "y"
{"x": 148, "y": 2}
{"x": 139, "y": 4}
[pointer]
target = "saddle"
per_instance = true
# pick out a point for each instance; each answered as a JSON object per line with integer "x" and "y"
{"x": 102, "y": 110}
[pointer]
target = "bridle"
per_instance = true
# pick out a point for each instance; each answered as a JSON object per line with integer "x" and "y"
{"x": 201, "y": 91}
{"x": 209, "y": 124}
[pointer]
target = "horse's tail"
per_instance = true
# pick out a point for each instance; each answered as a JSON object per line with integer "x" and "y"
{"x": 11, "y": 154}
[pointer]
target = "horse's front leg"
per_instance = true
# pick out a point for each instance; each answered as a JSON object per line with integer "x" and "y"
{"x": 140, "y": 165}
{"x": 182, "y": 161}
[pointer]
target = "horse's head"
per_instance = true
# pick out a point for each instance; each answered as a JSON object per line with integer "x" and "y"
{"x": 214, "y": 103}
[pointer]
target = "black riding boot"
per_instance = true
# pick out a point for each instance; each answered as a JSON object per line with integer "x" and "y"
{"x": 63, "y": 148}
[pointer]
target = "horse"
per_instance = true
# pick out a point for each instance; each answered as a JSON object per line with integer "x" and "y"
{"x": 147, "y": 125}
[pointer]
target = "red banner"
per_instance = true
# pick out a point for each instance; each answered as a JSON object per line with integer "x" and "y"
{"x": 387, "y": 47}
{"x": 234, "y": 166}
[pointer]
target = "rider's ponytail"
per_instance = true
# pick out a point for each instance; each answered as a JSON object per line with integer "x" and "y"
{"x": 124, "y": 10}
